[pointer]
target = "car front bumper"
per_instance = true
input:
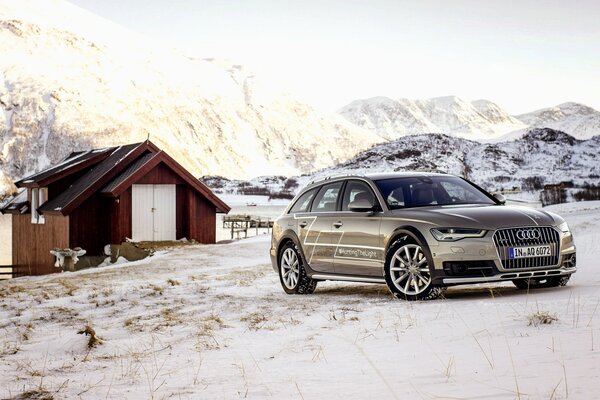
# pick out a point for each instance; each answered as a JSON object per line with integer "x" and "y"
{"x": 478, "y": 261}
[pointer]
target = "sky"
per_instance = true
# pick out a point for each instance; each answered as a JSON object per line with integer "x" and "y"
{"x": 524, "y": 55}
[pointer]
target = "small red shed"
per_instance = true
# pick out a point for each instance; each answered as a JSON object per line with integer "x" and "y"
{"x": 104, "y": 196}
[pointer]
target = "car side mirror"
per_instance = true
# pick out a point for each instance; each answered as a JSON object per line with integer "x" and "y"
{"x": 500, "y": 197}
{"x": 361, "y": 205}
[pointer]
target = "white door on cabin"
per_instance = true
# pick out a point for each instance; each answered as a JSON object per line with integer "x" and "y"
{"x": 153, "y": 212}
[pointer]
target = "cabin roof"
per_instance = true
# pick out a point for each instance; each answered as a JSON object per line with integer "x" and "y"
{"x": 74, "y": 162}
{"x": 129, "y": 172}
{"x": 89, "y": 183}
{"x": 17, "y": 204}
{"x": 109, "y": 171}
{"x": 146, "y": 163}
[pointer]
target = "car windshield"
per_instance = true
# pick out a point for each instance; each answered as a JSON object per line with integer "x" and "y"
{"x": 428, "y": 191}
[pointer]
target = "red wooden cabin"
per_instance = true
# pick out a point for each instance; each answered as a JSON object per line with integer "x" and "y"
{"x": 97, "y": 197}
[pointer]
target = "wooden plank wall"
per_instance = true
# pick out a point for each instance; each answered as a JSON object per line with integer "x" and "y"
{"x": 121, "y": 218}
{"x": 89, "y": 225}
{"x": 181, "y": 212}
{"x": 202, "y": 218}
{"x": 160, "y": 175}
{"x": 32, "y": 244}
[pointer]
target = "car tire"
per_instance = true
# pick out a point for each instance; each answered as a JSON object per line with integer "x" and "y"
{"x": 540, "y": 283}
{"x": 407, "y": 271}
{"x": 292, "y": 274}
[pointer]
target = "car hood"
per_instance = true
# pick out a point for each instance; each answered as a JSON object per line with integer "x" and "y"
{"x": 479, "y": 216}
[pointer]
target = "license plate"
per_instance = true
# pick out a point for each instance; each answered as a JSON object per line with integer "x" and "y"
{"x": 530, "y": 251}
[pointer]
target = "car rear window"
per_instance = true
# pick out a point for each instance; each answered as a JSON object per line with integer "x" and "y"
{"x": 303, "y": 202}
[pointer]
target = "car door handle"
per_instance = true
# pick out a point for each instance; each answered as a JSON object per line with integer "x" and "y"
{"x": 338, "y": 224}
{"x": 303, "y": 224}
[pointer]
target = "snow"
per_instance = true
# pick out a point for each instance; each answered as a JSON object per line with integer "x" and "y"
{"x": 213, "y": 322}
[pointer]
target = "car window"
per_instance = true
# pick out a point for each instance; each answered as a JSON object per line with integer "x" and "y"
{"x": 326, "y": 199}
{"x": 356, "y": 190}
{"x": 303, "y": 202}
{"x": 458, "y": 193}
{"x": 396, "y": 197}
{"x": 428, "y": 191}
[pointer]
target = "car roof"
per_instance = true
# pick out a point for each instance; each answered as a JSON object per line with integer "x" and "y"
{"x": 391, "y": 175}
{"x": 375, "y": 176}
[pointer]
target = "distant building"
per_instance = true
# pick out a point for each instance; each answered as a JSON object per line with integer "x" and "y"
{"x": 104, "y": 196}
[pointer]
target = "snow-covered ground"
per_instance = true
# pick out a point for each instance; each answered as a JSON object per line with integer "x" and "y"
{"x": 212, "y": 322}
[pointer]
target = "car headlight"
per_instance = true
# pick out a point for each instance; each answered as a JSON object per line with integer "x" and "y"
{"x": 454, "y": 234}
{"x": 564, "y": 227}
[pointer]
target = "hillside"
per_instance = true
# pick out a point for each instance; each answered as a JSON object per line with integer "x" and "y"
{"x": 480, "y": 120}
{"x": 576, "y": 119}
{"x": 72, "y": 81}
{"x": 393, "y": 118}
{"x": 542, "y": 156}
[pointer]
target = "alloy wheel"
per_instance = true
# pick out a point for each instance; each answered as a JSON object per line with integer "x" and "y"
{"x": 290, "y": 268}
{"x": 409, "y": 270}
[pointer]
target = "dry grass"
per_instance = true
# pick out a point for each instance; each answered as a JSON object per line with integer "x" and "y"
{"x": 70, "y": 288}
{"x": 170, "y": 317}
{"x": 255, "y": 320}
{"x": 35, "y": 394}
{"x": 541, "y": 318}
{"x": 207, "y": 339}
{"x": 93, "y": 340}
{"x": 155, "y": 290}
{"x": 173, "y": 282}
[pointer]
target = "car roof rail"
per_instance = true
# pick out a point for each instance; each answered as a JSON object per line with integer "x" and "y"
{"x": 327, "y": 178}
{"x": 432, "y": 171}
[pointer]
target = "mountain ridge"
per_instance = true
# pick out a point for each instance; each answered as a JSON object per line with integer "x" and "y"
{"x": 542, "y": 156}
{"x": 480, "y": 119}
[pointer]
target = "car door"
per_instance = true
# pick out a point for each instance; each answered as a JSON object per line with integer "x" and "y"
{"x": 314, "y": 228}
{"x": 356, "y": 235}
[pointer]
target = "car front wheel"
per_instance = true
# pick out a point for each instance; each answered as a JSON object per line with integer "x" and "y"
{"x": 407, "y": 271}
{"x": 292, "y": 274}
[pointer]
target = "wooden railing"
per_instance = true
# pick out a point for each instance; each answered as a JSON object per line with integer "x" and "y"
{"x": 6, "y": 272}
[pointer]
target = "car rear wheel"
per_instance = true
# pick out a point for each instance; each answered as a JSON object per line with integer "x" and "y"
{"x": 407, "y": 271}
{"x": 292, "y": 274}
{"x": 540, "y": 283}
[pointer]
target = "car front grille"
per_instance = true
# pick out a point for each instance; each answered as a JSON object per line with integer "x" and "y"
{"x": 517, "y": 237}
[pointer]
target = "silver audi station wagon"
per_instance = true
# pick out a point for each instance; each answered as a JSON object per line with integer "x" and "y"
{"x": 418, "y": 233}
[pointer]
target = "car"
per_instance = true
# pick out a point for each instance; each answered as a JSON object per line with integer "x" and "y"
{"x": 418, "y": 233}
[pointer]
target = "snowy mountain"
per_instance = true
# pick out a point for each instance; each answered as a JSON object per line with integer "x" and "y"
{"x": 476, "y": 120}
{"x": 393, "y": 118}
{"x": 577, "y": 119}
{"x": 72, "y": 80}
{"x": 542, "y": 156}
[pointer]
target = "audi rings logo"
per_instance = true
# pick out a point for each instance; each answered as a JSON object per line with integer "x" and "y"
{"x": 528, "y": 234}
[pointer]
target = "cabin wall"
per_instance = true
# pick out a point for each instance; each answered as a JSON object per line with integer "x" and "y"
{"x": 89, "y": 225}
{"x": 181, "y": 212}
{"x": 202, "y": 218}
{"x": 160, "y": 175}
{"x": 32, "y": 243}
{"x": 121, "y": 218}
